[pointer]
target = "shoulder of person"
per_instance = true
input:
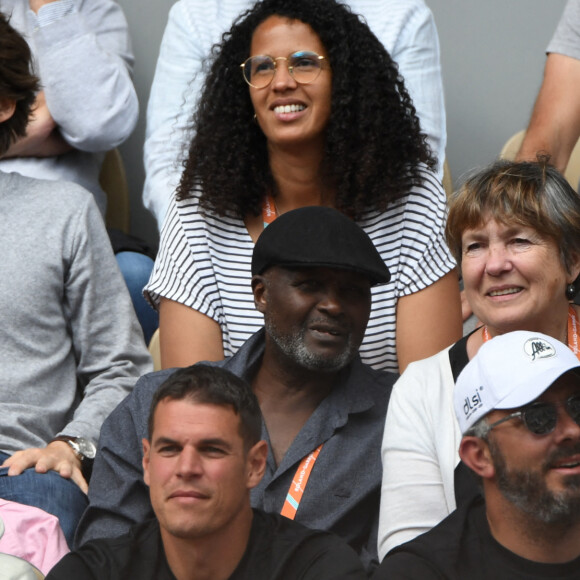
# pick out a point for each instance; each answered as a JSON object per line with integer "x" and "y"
{"x": 146, "y": 387}
{"x": 63, "y": 193}
{"x": 302, "y": 553}
{"x": 437, "y": 552}
{"x": 107, "y": 558}
{"x": 377, "y": 383}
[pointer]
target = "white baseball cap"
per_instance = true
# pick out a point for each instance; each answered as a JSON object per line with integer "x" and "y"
{"x": 509, "y": 371}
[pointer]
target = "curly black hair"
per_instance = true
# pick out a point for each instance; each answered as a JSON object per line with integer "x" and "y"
{"x": 17, "y": 83}
{"x": 373, "y": 145}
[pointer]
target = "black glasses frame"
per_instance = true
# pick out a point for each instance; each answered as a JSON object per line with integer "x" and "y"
{"x": 538, "y": 425}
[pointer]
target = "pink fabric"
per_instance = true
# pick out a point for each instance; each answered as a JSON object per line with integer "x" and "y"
{"x": 32, "y": 534}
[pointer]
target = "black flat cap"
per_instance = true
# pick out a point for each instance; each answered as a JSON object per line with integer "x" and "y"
{"x": 318, "y": 236}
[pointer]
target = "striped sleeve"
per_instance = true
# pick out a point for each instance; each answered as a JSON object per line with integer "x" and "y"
{"x": 410, "y": 238}
{"x": 204, "y": 262}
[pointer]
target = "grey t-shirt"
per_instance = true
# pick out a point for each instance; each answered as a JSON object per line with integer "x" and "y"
{"x": 70, "y": 345}
{"x": 566, "y": 39}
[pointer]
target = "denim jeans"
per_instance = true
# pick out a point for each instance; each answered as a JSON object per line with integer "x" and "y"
{"x": 136, "y": 269}
{"x": 48, "y": 491}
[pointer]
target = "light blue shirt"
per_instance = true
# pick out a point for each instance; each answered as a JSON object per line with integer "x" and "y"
{"x": 83, "y": 56}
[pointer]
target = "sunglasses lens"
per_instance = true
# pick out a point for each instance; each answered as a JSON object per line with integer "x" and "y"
{"x": 259, "y": 70}
{"x": 540, "y": 418}
{"x": 573, "y": 408}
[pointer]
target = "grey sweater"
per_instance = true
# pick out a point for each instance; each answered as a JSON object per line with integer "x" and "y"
{"x": 70, "y": 345}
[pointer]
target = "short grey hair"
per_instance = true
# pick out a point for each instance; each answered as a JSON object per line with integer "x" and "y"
{"x": 479, "y": 429}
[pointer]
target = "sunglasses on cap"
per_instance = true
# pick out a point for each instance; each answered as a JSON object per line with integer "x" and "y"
{"x": 540, "y": 418}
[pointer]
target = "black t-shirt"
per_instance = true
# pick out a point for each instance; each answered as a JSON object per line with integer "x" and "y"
{"x": 278, "y": 549}
{"x": 461, "y": 547}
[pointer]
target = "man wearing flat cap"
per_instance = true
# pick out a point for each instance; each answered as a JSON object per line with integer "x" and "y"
{"x": 323, "y": 409}
{"x": 518, "y": 407}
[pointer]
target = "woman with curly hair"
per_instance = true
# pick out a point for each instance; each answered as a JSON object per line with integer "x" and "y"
{"x": 303, "y": 106}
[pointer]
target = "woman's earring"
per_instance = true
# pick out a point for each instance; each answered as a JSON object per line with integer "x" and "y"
{"x": 255, "y": 118}
{"x": 570, "y": 291}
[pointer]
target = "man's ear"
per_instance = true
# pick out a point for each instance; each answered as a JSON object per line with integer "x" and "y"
{"x": 146, "y": 449}
{"x": 474, "y": 452}
{"x": 7, "y": 108}
{"x": 259, "y": 290}
{"x": 256, "y": 463}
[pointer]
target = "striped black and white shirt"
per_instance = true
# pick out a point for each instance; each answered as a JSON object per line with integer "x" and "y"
{"x": 204, "y": 262}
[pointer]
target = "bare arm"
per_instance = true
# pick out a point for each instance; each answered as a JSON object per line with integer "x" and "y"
{"x": 42, "y": 138}
{"x": 187, "y": 336}
{"x": 429, "y": 320}
{"x": 555, "y": 124}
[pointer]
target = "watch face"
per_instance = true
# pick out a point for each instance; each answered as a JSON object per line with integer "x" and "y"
{"x": 86, "y": 447}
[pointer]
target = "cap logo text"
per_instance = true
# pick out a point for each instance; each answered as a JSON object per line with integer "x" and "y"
{"x": 537, "y": 348}
{"x": 472, "y": 404}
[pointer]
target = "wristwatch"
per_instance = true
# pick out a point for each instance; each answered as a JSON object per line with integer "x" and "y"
{"x": 84, "y": 448}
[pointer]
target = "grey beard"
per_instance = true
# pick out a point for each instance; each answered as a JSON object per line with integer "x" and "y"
{"x": 528, "y": 492}
{"x": 292, "y": 345}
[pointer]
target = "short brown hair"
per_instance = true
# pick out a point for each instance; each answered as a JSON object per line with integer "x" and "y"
{"x": 212, "y": 385}
{"x": 17, "y": 82}
{"x": 532, "y": 194}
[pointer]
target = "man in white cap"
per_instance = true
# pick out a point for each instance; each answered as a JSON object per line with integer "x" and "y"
{"x": 518, "y": 407}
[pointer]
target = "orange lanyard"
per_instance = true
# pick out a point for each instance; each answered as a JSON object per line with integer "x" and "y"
{"x": 269, "y": 212}
{"x": 573, "y": 330}
{"x": 573, "y": 339}
{"x": 298, "y": 484}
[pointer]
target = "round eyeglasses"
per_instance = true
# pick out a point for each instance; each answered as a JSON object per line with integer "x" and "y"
{"x": 541, "y": 418}
{"x": 304, "y": 66}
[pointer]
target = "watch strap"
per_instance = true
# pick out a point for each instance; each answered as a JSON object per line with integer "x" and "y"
{"x": 72, "y": 444}
{"x": 76, "y": 444}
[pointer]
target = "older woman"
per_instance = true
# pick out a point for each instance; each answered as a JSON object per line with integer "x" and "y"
{"x": 515, "y": 230}
{"x": 315, "y": 115}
